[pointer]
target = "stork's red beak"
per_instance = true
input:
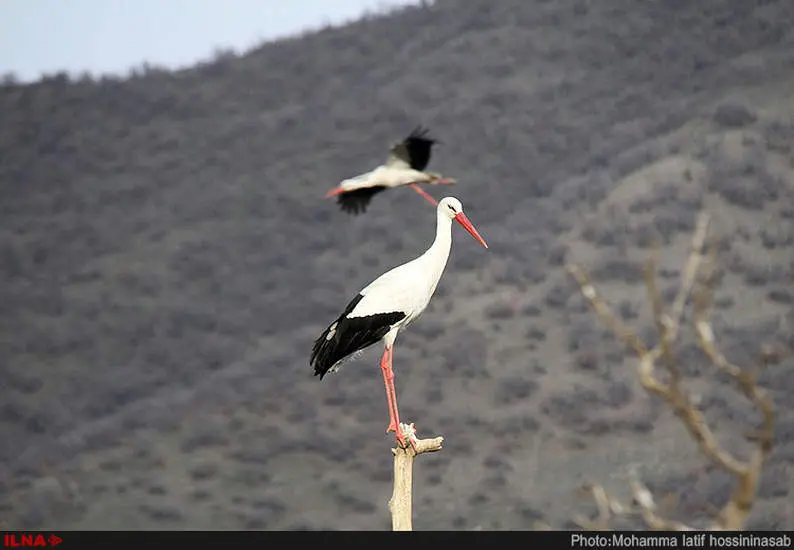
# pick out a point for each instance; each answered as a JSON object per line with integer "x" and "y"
{"x": 464, "y": 221}
{"x": 334, "y": 192}
{"x": 444, "y": 181}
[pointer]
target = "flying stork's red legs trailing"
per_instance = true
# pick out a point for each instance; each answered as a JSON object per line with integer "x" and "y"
{"x": 405, "y": 165}
{"x": 424, "y": 193}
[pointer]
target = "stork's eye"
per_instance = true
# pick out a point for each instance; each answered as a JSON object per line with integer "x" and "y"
{"x": 451, "y": 207}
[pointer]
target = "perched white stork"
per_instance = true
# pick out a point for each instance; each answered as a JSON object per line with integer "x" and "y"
{"x": 388, "y": 304}
{"x": 405, "y": 166}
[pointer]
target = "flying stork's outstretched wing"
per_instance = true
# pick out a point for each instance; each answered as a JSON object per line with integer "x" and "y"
{"x": 413, "y": 151}
{"x": 357, "y": 200}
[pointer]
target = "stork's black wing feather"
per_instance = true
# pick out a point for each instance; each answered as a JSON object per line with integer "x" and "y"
{"x": 357, "y": 200}
{"x": 419, "y": 147}
{"x": 346, "y": 335}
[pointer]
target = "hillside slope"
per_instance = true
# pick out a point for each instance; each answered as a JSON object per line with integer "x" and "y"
{"x": 168, "y": 258}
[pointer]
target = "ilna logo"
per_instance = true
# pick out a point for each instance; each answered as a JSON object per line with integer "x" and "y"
{"x": 28, "y": 540}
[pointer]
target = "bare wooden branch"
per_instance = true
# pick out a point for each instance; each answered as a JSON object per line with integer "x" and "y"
{"x": 734, "y": 514}
{"x": 645, "y": 501}
{"x": 697, "y": 280}
{"x": 607, "y": 508}
{"x": 644, "y": 506}
{"x": 400, "y": 504}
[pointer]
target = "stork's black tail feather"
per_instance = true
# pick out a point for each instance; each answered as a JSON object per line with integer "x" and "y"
{"x": 323, "y": 351}
{"x": 347, "y": 335}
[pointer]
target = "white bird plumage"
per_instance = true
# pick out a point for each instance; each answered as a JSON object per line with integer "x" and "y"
{"x": 389, "y": 304}
{"x": 410, "y": 286}
{"x": 405, "y": 165}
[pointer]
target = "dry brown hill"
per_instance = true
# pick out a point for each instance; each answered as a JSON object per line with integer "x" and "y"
{"x": 167, "y": 259}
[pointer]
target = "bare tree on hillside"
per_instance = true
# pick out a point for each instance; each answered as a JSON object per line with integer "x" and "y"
{"x": 697, "y": 283}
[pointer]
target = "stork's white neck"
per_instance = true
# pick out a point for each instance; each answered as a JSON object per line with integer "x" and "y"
{"x": 437, "y": 255}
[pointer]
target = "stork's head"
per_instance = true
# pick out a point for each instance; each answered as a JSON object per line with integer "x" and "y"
{"x": 437, "y": 179}
{"x": 453, "y": 209}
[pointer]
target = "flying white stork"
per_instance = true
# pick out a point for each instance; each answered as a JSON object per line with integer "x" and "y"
{"x": 387, "y": 305}
{"x": 405, "y": 166}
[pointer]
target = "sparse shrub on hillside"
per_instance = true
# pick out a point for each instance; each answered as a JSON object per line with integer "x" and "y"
{"x": 558, "y": 295}
{"x": 781, "y": 296}
{"x": 724, "y": 302}
{"x": 744, "y": 181}
{"x": 776, "y": 236}
{"x": 663, "y": 194}
{"x": 346, "y": 500}
{"x": 517, "y": 424}
{"x": 500, "y": 310}
{"x": 586, "y": 191}
{"x": 619, "y": 394}
{"x": 733, "y": 115}
{"x": 50, "y": 499}
{"x": 557, "y": 254}
{"x": 203, "y": 471}
{"x": 536, "y": 333}
{"x": 587, "y": 360}
{"x": 645, "y": 235}
{"x": 627, "y": 310}
{"x": 466, "y": 262}
{"x": 759, "y": 275}
{"x": 370, "y": 260}
{"x": 12, "y": 380}
{"x": 615, "y": 268}
{"x": 521, "y": 272}
{"x": 15, "y": 413}
{"x": 531, "y": 310}
{"x": 466, "y": 356}
{"x": 434, "y": 391}
{"x": 583, "y": 335}
{"x": 576, "y": 306}
{"x": 770, "y": 485}
{"x": 157, "y": 490}
{"x": 784, "y": 434}
{"x": 599, "y": 233}
{"x": 633, "y": 158}
{"x": 672, "y": 222}
{"x": 665, "y": 226}
{"x": 779, "y": 137}
{"x": 740, "y": 191}
{"x": 571, "y": 408}
{"x": 161, "y": 512}
{"x": 204, "y": 437}
{"x": 430, "y": 329}
{"x": 514, "y": 389}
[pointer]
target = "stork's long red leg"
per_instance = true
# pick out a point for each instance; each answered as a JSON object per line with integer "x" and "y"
{"x": 391, "y": 395}
{"x": 395, "y": 413}
{"x": 424, "y": 193}
{"x": 388, "y": 380}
